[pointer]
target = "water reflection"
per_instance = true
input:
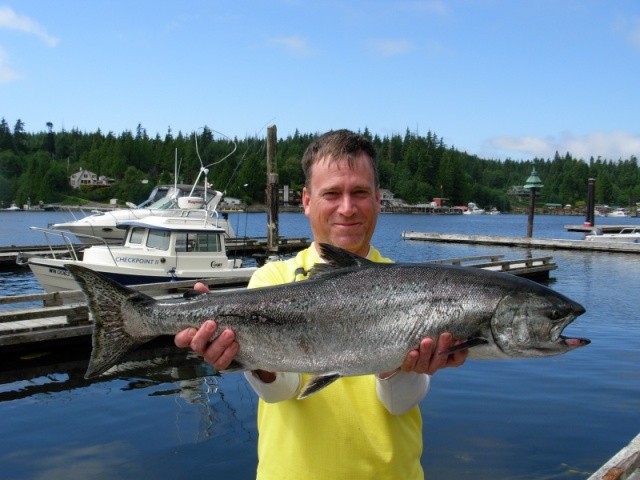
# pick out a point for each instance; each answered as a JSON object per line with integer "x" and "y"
{"x": 159, "y": 370}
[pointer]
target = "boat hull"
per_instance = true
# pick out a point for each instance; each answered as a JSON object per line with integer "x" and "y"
{"x": 54, "y": 277}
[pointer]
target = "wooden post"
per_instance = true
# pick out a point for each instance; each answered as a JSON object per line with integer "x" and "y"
{"x": 532, "y": 211}
{"x": 272, "y": 190}
{"x": 591, "y": 193}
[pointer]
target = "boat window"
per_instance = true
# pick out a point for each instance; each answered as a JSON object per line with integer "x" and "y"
{"x": 158, "y": 239}
{"x": 181, "y": 242}
{"x": 137, "y": 235}
{"x": 203, "y": 242}
{"x": 164, "y": 204}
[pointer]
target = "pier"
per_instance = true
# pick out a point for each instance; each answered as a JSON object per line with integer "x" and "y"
{"x": 526, "y": 242}
{"x": 64, "y": 318}
{"x": 625, "y": 465}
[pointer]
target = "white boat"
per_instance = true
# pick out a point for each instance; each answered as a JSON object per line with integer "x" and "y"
{"x": 473, "y": 209}
{"x": 163, "y": 199}
{"x": 12, "y": 208}
{"x": 183, "y": 245}
{"x": 626, "y": 235}
{"x": 494, "y": 211}
{"x": 619, "y": 213}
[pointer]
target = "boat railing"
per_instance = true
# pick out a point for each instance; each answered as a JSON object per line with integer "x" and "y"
{"x": 68, "y": 243}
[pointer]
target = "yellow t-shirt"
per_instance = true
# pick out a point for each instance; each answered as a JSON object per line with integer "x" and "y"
{"x": 341, "y": 432}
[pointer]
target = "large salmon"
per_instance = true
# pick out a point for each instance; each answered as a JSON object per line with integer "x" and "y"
{"x": 351, "y": 317}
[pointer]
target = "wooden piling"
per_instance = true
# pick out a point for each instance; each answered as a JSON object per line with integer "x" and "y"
{"x": 272, "y": 190}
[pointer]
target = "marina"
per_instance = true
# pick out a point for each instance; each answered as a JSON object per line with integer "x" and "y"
{"x": 165, "y": 414}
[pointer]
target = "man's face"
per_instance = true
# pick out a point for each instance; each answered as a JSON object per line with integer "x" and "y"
{"x": 343, "y": 204}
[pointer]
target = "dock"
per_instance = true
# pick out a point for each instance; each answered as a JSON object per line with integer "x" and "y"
{"x": 625, "y": 465}
{"x": 525, "y": 242}
{"x": 64, "y": 317}
{"x": 533, "y": 268}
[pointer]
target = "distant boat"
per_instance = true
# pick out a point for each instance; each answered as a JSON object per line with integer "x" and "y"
{"x": 473, "y": 209}
{"x": 626, "y": 235}
{"x": 619, "y": 213}
{"x": 12, "y": 208}
{"x": 494, "y": 211}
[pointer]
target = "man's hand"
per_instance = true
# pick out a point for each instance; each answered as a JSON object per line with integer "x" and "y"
{"x": 219, "y": 352}
{"x": 426, "y": 358}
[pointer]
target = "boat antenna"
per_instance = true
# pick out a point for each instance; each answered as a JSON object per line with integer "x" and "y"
{"x": 175, "y": 171}
{"x": 205, "y": 169}
{"x": 244, "y": 155}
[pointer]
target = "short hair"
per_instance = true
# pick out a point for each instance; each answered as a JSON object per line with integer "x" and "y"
{"x": 336, "y": 145}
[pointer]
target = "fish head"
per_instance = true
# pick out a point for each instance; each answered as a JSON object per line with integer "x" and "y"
{"x": 529, "y": 323}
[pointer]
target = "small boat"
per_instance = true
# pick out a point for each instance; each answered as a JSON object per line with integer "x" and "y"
{"x": 12, "y": 208}
{"x": 162, "y": 200}
{"x": 494, "y": 211}
{"x": 626, "y": 235}
{"x": 473, "y": 209}
{"x": 619, "y": 213}
{"x": 187, "y": 244}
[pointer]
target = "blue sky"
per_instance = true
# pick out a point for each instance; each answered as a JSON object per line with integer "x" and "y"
{"x": 496, "y": 78}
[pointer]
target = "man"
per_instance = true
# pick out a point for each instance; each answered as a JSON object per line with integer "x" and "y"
{"x": 358, "y": 427}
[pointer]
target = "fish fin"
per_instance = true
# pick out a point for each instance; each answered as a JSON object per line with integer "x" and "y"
{"x": 336, "y": 258}
{"x": 107, "y": 302}
{"x": 470, "y": 343}
{"x": 317, "y": 383}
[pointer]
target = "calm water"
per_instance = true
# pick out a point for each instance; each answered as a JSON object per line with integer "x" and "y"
{"x": 165, "y": 416}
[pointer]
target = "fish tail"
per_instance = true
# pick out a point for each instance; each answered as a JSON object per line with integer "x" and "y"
{"x": 111, "y": 306}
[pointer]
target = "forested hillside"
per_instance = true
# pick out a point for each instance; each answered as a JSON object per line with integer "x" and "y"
{"x": 417, "y": 168}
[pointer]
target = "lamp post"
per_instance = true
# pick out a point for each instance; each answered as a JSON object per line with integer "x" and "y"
{"x": 532, "y": 183}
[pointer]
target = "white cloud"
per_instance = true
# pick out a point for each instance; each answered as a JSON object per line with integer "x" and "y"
{"x": 7, "y": 74}
{"x": 391, "y": 48}
{"x": 614, "y": 145}
{"x": 11, "y": 20}
{"x": 634, "y": 34}
{"x": 293, "y": 44}
{"x": 535, "y": 146}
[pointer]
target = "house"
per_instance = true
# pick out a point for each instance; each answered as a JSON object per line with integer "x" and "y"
{"x": 231, "y": 201}
{"x": 84, "y": 177}
{"x": 387, "y": 199}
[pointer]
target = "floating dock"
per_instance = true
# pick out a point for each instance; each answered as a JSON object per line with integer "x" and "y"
{"x": 526, "y": 242}
{"x": 65, "y": 318}
{"x": 625, "y": 465}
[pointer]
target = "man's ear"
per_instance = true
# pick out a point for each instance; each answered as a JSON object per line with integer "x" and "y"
{"x": 306, "y": 200}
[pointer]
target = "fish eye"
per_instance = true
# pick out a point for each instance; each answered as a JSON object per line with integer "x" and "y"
{"x": 555, "y": 314}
